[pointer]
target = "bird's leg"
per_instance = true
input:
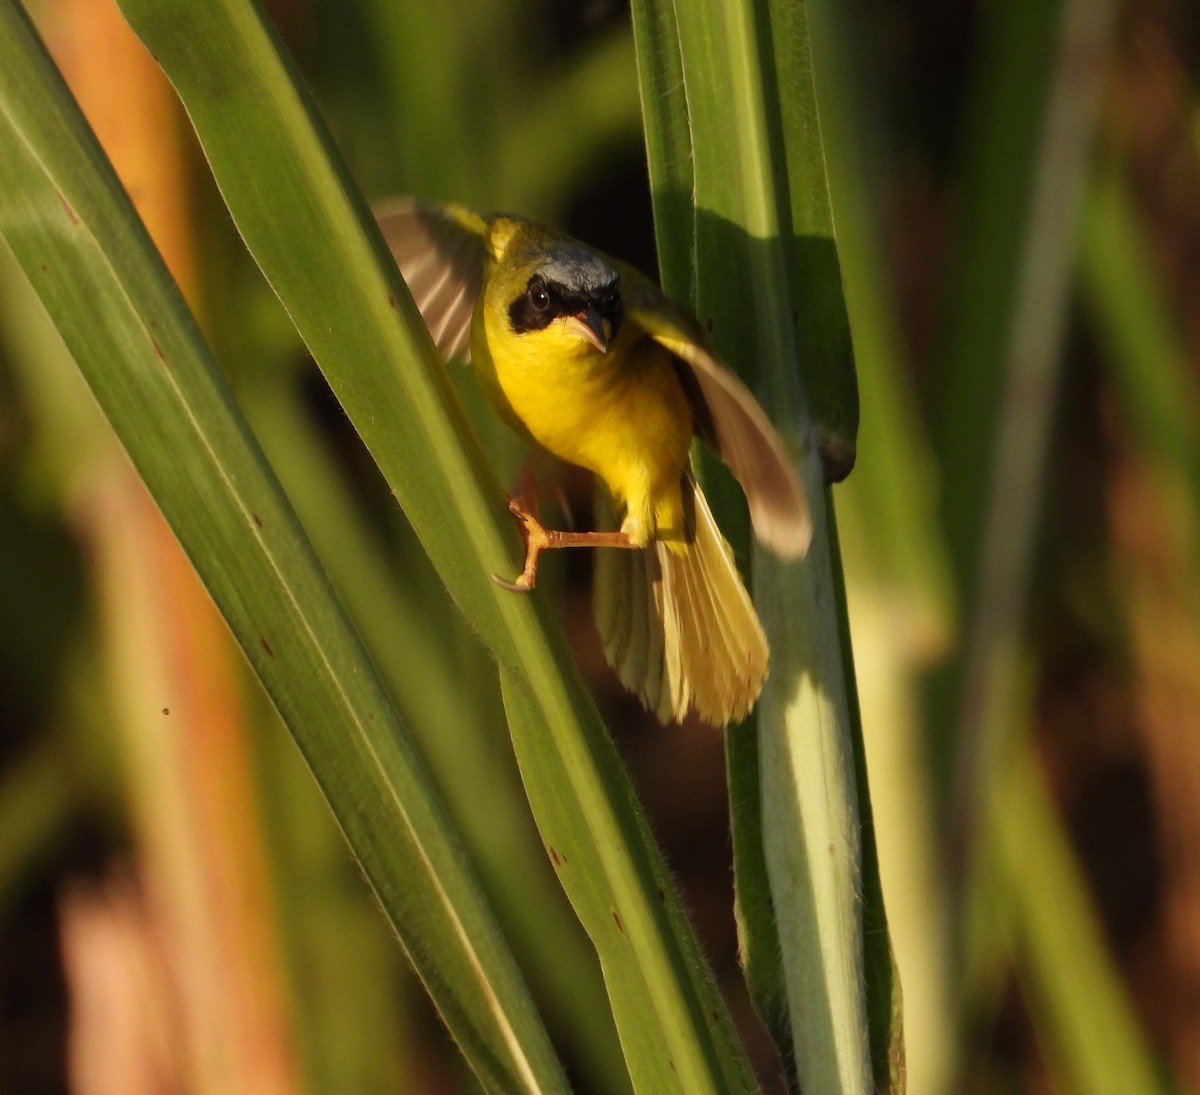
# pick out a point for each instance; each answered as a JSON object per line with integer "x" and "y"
{"x": 539, "y": 539}
{"x": 527, "y": 488}
{"x": 564, "y": 503}
{"x": 536, "y": 468}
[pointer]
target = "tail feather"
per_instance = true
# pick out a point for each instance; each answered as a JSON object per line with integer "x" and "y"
{"x": 679, "y": 628}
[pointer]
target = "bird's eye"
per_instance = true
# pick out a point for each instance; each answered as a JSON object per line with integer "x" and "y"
{"x": 539, "y": 296}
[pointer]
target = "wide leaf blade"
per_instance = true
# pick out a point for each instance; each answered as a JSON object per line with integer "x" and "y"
{"x": 277, "y": 172}
{"x": 76, "y": 235}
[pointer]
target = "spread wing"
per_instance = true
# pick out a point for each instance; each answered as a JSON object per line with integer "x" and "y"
{"x": 728, "y": 418}
{"x": 441, "y": 253}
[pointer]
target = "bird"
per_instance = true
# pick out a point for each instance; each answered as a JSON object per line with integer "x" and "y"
{"x": 588, "y": 359}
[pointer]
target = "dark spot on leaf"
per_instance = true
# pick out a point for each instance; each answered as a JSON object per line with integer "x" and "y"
{"x": 157, "y": 349}
{"x": 267, "y": 647}
{"x": 554, "y": 857}
{"x": 71, "y": 214}
{"x": 166, "y": 710}
{"x": 617, "y": 921}
{"x": 392, "y": 301}
{"x": 256, "y": 519}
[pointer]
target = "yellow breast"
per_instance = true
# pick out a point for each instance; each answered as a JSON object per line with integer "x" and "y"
{"x": 623, "y": 415}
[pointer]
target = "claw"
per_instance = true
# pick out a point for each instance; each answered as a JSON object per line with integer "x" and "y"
{"x": 519, "y": 586}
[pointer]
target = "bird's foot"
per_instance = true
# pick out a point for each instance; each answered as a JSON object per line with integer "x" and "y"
{"x": 539, "y": 538}
{"x": 536, "y": 538}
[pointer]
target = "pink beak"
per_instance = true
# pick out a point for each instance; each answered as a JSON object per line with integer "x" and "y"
{"x": 589, "y": 325}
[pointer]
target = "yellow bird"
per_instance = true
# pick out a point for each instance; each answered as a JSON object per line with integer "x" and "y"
{"x": 587, "y": 358}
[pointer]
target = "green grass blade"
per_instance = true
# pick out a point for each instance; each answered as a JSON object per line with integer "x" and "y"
{"x": 663, "y": 1055}
{"x": 1039, "y": 99}
{"x": 1090, "y": 1027}
{"x": 424, "y": 652}
{"x": 1085, "y": 1019}
{"x": 1147, "y": 356}
{"x": 1004, "y": 363}
{"x": 820, "y": 322}
{"x": 537, "y": 156}
{"x": 80, "y": 243}
{"x": 896, "y": 569}
{"x": 999, "y": 143}
{"x": 740, "y": 87}
{"x": 672, "y": 181}
{"x": 668, "y": 145}
{"x": 312, "y": 237}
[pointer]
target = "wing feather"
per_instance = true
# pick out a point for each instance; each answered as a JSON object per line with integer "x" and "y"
{"x": 728, "y": 418}
{"x": 442, "y": 254}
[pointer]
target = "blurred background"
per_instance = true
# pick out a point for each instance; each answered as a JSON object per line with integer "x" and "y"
{"x": 1017, "y": 193}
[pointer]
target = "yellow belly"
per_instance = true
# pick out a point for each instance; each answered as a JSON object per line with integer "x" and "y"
{"x": 622, "y": 415}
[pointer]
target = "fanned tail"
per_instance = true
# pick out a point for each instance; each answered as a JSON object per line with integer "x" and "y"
{"x": 679, "y": 628}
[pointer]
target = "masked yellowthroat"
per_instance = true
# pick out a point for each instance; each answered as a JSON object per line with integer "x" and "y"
{"x": 587, "y": 358}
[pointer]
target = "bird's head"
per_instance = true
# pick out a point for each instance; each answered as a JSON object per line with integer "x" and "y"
{"x": 559, "y": 293}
